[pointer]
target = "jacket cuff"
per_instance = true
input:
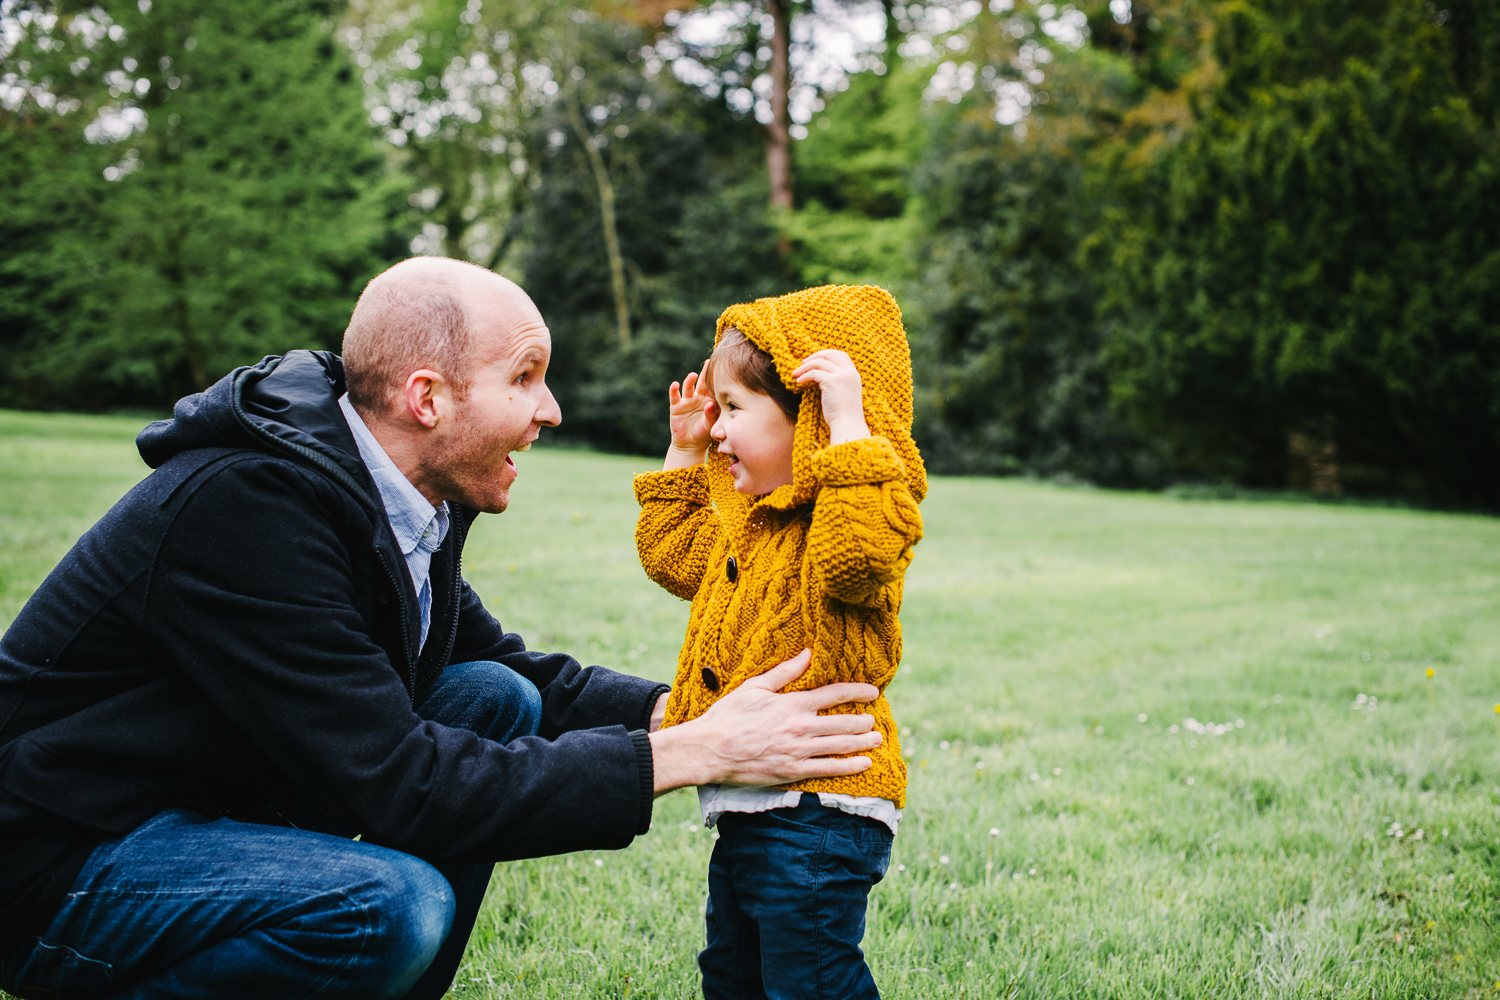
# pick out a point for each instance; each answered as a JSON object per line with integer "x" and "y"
{"x": 673, "y": 484}
{"x": 647, "y": 769}
{"x": 855, "y": 463}
{"x": 656, "y": 693}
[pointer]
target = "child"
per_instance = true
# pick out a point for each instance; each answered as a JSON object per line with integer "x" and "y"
{"x": 792, "y": 533}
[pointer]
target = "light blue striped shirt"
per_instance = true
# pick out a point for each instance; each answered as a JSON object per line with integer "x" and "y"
{"x": 419, "y": 527}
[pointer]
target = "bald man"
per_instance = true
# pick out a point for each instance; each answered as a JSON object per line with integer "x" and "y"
{"x": 259, "y": 738}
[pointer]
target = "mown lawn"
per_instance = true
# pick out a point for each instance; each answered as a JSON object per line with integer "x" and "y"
{"x": 1160, "y": 748}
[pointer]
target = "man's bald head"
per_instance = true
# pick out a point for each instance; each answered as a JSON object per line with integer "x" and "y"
{"x": 420, "y": 313}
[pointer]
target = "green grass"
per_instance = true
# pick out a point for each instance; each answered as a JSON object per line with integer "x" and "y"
{"x": 1040, "y": 624}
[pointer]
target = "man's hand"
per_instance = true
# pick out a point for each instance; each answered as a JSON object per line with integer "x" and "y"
{"x": 659, "y": 713}
{"x": 756, "y": 736}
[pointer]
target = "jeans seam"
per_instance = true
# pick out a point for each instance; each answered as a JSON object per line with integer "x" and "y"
{"x": 111, "y": 974}
{"x": 819, "y": 863}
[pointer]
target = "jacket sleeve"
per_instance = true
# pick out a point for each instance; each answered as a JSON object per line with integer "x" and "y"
{"x": 865, "y": 521}
{"x": 573, "y": 696}
{"x": 677, "y": 529}
{"x": 253, "y": 602}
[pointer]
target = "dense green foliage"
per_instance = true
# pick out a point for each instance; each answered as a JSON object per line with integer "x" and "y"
{"x": 1257, "y": 862}
{"x": 1323, "y": 253}
{"x": 195, "y": 187}
{"x": 694, "y": 232}
{"x": 1234, "y": 241}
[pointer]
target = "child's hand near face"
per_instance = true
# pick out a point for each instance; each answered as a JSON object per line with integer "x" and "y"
{"x": 841, "y": 391}
{"x": 690, "y": 415}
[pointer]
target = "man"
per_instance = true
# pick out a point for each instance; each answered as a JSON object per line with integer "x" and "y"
{"x": 256, "y": 704}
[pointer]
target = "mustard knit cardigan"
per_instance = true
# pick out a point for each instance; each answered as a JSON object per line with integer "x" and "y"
{"x": 817, "y": 564}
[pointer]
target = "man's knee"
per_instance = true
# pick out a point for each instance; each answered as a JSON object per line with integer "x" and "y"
{"x": 411, "y": 913}
{"x": 486, "y": 698}
{"x": 529, "y": 706}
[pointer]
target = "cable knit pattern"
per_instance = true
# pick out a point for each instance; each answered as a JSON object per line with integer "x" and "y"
{"x": 819, "y": 562}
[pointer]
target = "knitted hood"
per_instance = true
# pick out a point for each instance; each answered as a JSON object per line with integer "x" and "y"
{"x": 864, "y": 322}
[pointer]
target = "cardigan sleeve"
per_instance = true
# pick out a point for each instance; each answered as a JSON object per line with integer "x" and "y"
{"x": 677, "y": 529}
{"x": 865, "y": 520}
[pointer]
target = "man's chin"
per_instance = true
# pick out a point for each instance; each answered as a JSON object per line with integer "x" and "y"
{"x": 493, "y": 502}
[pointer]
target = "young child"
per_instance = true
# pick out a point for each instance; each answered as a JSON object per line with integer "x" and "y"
{"x": 793, "y": 532}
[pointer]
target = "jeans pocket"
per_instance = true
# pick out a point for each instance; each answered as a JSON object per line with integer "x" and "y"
{"x": 865, "y": 848}
{"x": 57, "y": 972}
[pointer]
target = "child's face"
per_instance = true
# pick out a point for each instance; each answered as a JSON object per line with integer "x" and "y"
{"x": 755, "y": 434}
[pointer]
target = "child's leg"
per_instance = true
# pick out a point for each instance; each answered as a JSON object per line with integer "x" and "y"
{"x": 731, "y": 961}
{"x": 799, "y": 879}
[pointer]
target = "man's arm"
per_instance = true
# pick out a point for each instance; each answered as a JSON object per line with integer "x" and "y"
{"x": 276, "y": 641}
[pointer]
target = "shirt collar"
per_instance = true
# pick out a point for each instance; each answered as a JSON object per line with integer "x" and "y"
{"x": 414, "y": 521}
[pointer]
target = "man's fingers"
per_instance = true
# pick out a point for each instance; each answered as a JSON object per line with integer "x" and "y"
{"x": 844, "y": 725}
{"x": 836, "y": 694}
{"x": 784, "y": 673}
{"x": 835, "y": 746}
{"x": 828, "y": 767}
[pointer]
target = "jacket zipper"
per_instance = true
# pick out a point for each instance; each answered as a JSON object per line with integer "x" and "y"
{"x": 457, "y": 533}
{"x": 411, "y": 662}
{"x": 462, "y": 529}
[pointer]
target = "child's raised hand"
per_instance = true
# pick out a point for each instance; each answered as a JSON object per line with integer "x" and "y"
{"x": 690, "y": 415}
{"x": 843, "y": 397}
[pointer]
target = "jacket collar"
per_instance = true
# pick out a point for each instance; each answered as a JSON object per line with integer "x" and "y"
{"x": 287, "y": 404}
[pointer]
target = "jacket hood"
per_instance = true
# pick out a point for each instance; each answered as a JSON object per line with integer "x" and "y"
{"x": 863, "y": 321}
{"x": 285, "y": 404}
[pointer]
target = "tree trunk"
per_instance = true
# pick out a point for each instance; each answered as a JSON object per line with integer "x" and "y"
{"x": 1313, "y": 459}
{"x": 892, "y": 36}
{"x": 453, "y": 173}
{"x": 607, "y": 210}
{"x": 180, "y": 313}
{"x": 778, "y": 132}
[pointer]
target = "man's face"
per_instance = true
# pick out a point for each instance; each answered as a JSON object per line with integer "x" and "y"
{"x": 507, "y": 404}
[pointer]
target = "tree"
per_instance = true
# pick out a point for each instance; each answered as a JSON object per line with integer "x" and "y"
{"x": 1020, "y": 132}
{"x": 1315, "y": 270}
{"x": 691, "y": 223}
{"x": 209, "y": 193}
{"x": 778, "y": 129}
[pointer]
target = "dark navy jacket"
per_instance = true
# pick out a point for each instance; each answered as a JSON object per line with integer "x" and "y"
{"x": 237, "y": 636}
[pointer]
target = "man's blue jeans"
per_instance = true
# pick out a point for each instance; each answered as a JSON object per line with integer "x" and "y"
{"x": 787, "y": 891}
{"x": 184, "y": 907}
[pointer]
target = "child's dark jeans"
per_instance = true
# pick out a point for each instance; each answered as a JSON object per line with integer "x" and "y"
{"x": 786, "y": 904}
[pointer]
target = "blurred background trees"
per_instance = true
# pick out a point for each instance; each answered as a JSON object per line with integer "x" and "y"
{"x": 1137, "y": 242}
{"x": 187, "y": 186}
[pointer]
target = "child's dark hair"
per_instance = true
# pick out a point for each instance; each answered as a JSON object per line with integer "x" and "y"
{"x": 752, "y": 368}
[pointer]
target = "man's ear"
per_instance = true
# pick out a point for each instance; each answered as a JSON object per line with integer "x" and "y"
{"x": 427, "y": 397}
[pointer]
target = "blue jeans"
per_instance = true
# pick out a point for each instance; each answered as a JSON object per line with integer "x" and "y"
{"x": 786, "y": 904}
{"x": 184, "y": 907}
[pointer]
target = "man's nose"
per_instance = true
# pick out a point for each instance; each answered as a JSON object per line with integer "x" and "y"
{"x": 549, "y": 412}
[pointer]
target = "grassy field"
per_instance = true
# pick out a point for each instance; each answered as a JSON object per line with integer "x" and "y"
{"x": 1160, "y": 748}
